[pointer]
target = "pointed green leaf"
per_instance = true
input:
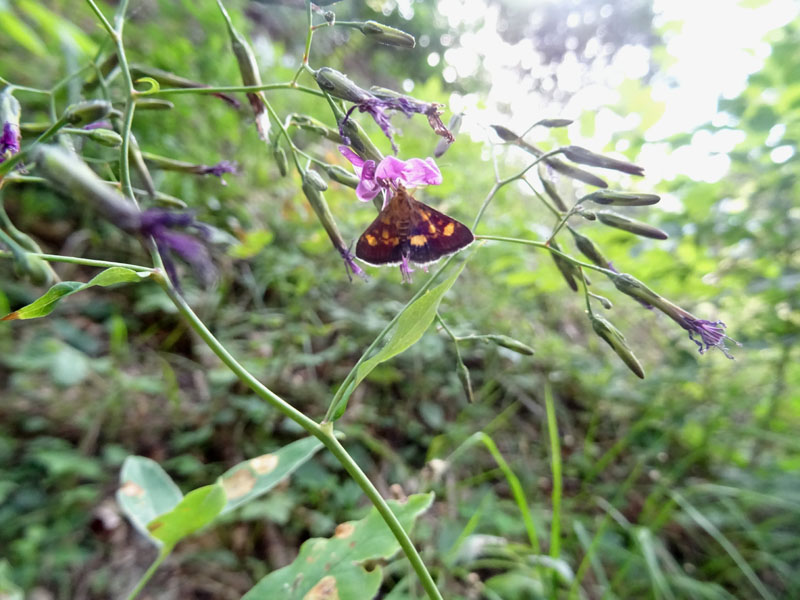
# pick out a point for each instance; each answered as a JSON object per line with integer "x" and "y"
{"x": 22, "y": 35}
{"x": 252, "y": 478}
{"x": 333, "y": 568}
{"x": 411, "y": 325}
{"x": 145, "y": 491}
{"x": 45, "y": 304}
{"x": 197, "y": 509}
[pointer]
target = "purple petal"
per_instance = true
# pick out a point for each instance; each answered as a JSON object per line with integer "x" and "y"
{"x": 354, "y": 158}
{"x": 368, "y": 187}
{"x": 711, "y": 334}
{"x": 406, "y": 270}
{"x": 412, "y": 173}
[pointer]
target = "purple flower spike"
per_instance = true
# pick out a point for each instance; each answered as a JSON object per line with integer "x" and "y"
{"x": 391, "y": 171}
{"x": 9, "y": 141}
{"x": 711, "y": 334}
{"x": 159, "y": 225}
{"x": 406, "y": 270}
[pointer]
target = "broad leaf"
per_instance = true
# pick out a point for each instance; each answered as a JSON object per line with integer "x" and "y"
{"x": 411, "y": 325}
{"x": 197, "y": 509}
{"x": 328, "y": 569}
{"x": 145, "y": 491}
{"x": 252, "y": 478}
{"x": 45, "y": 304}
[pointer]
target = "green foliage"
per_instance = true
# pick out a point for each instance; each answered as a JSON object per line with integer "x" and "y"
{"x": 334, "y": 567}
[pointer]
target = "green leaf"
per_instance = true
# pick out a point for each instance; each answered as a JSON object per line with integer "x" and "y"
{"x": 145, "y": 491}
{"x": 332, "y": 568}
{"x": 20, "y": 33}
{"x": 255, "y": 477}
{"x": 197, "y": 509}
{"x": 45, "y": 304}
{"x": 57, "y": 27}
{"x": 411, "y": 325}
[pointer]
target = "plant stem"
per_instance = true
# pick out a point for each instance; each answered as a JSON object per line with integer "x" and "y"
{"x": 555, "y": 457}
{"x": 330, "y": 441}
{"x": 323, "y": 433}
{"x": 535, "y": 244}
{"x": 237, "y": 88}
{"x": 162, "y": 555}
{"x": 75, "y": 260}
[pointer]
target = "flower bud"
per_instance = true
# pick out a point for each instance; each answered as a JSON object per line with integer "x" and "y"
{"x": 589, "y": 215}
{"x": 248, "y": 69}
{"x": 613, "y": 219}
{"x": 86, "y": 112}
{"x": 616, "y": 340}
{"x": 466, "y": 380}
{"x": 10, "y": 135}
{"x": 153, "y": 104}
{"x": 621, "y": 198}
{"x": 105, "y": 137}
{"x": 340, "y": 86}
{"x": 280, "y": 159}
{"x": 587, "y": 157}
{"x": 314, "y": 179}
{"x": 505, "y": 134}
{"x": 315, "y": 126}
{"x": 629, "y": 285}
{"x": 588, "y": 248}
{"x": 360, "y": 141}
{"x": 567, "y": 269}
{"x": 453, "y": 126}
{"x": 343, "y": 176}
{"x": 383, "y": 34}
{"x": 510, "y": 343}
{"x": 68, "y": 174}
{"x": 552, "y": 193}
{"x": 554, "y": 122}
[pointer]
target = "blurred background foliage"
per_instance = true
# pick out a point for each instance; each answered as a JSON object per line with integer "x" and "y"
{"x": 683, "y": 485}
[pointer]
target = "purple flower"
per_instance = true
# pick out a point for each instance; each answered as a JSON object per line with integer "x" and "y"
{"x": 219, "y": 169}
{"x": 350, "y": 265}
{"x": 376, "y": 107}
{"x": 390, "y": 172}
{"x": 159, "y": 224}
{"x": 711, "y": 334}
{"x": 9, "y": 140}
{"x": 406, "y": 270}
{"x": 98, "y": 125}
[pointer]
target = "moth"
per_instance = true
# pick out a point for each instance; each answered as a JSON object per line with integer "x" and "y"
{"x": 407, "y": 230}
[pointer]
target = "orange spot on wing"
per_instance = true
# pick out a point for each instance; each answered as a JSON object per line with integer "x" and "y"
{"x": 385, "y": 234}
{"x": 418, "y": 240}
{"x": 431, "y": 228}
{"x": 449, "y": 229}
{"x": 371, "y": 240}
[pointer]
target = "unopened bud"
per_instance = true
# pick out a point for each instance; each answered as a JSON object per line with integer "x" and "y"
{"x": 588, "y": 248}
{"x": 621, "y": 198}
{"x": 510, "y": 343}
{"x": 554, "y": 122}
{"x": 105, "y": 137}
{"x": 587, "y": 157}
{"x": 313, "y": 178}
{"x": 10, "y": 135}
{"x": 629, "y": 285}
{"x": 153, "y": 104}
{"x": 466, "y": 380}
{"x": 317, "y": 201}
{"x": 343, "y": 176}
{"x": 383, "y": 34}
{"x": 616, "y": 340}
{"x": 280, "y": 159}
{"x": 619, "y": 221}
{"x": 567, "y": 269}
{"x": 87, "y": 112}
{"x": 589, "y": 215}
{"x": 552, "y": 193}
{"x": 505, "y": 134}
{"x": 339, "y": 85}
{"x": 453, "y": 126}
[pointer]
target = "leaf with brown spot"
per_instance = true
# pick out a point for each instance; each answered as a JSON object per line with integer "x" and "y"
{"x": 265, "y": 463}
{"x": 324, "y": 590}
{"x": 334, "y": 568}
{"x": 238, "y": 483}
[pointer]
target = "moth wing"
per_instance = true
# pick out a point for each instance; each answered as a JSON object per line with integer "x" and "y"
{"x": 380, "y": 244}
{"x": 433, "y": 234}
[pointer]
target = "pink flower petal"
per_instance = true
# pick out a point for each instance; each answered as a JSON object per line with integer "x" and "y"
{"x": 351, "y": 156}
{"x": 368, "y": 187}
{"x": 412, "y": 173}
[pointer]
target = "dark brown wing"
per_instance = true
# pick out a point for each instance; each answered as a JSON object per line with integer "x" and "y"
{"x": 433, "y": 234}
{"x": 381, "y": 243}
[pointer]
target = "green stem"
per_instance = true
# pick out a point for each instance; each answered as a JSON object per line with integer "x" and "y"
{"x": 87, "y": 262}
{"x": 162, "y": 555}
{"x": 535, "y": 244}
{"x": 323, "y": 433}
{"x": 329, "y": 439}
{"x": 555, "y": 457}
{"x": 238, "y": 88}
